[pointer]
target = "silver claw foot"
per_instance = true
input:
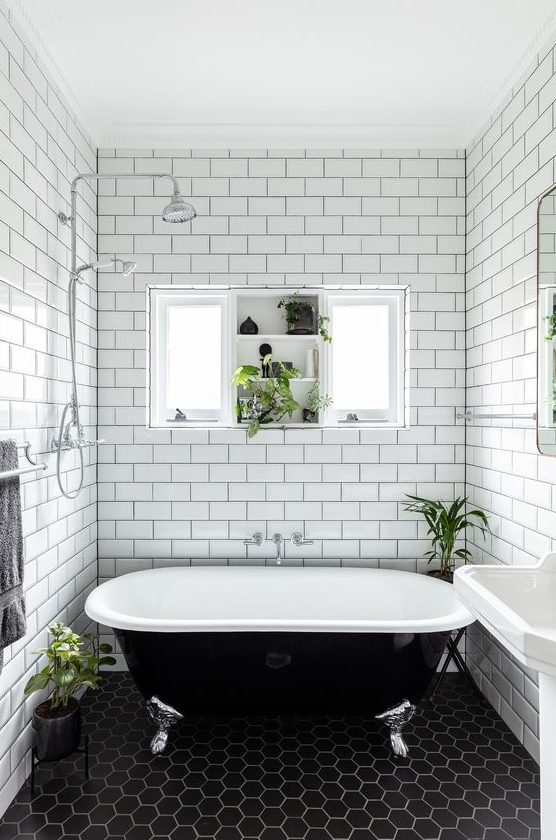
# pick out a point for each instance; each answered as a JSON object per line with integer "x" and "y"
{"x": 396, "y": 719}
{"x": 163, "y": 717}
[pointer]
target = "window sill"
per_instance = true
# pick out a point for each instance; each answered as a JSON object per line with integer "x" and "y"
{"x": 193, "y": 424}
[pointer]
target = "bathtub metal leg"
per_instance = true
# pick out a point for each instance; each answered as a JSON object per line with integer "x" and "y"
{"x": 396, "y": 718}
{"x": 163, "y": 717}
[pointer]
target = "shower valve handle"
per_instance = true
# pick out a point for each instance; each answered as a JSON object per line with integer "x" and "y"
{"x": 298, "y": 539}
{"x": 257, "y": 539}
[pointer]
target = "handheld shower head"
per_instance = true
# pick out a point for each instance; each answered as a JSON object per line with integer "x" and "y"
{"x": 178, "y": 210}
{"x": 127, "y": 266}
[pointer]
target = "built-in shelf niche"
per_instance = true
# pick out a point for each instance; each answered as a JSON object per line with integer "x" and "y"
{"x": 303, "y": 352}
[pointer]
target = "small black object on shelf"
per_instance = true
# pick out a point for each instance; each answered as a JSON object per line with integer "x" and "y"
{"x": 35, "y": 761}
{"x": 276, "y": 367}
{"x": 265, "y": 350}
{"x": 248, "y": 327}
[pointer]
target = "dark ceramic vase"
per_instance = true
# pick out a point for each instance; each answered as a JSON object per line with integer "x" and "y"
{"x": 57, "y": 732}
{"x": 248, "y": 327}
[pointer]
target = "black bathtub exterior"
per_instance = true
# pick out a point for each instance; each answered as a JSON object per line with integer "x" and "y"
{"x": 282, "y": 672}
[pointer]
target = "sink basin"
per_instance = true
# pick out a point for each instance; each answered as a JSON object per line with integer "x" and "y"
{"x": 518, "y": 606}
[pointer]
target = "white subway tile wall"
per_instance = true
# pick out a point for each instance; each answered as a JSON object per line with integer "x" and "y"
{"x": 508, "y": 167}
{"x": 274, "y": 217}
{"x": 280, "y": 217}
{"x": 41, "y": 149}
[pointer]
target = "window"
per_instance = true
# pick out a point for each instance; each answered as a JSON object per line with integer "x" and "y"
{"x": 366, "y": 356}
{"x": 198, "y": 336}
{"x": 189, "y": 370}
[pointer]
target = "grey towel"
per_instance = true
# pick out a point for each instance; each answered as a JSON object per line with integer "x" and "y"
{"x": 12, "y": 603}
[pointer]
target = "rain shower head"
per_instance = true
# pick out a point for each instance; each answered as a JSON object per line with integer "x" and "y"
{"x": 178, "y": 210}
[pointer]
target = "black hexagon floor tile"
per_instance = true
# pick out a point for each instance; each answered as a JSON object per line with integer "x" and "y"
{"x": 466, "y": 778}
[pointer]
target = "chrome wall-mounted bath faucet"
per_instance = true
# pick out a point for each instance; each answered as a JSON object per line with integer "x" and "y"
{"x": 297, "y": 539}
{"x": 278, "y": 541}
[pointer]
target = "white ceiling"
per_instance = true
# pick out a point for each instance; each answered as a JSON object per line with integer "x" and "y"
{"x": 283, "y": 72}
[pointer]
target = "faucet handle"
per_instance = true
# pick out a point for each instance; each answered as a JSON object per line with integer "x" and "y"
{"x": 297, "y": 539}
{"x": 257, "y": 539}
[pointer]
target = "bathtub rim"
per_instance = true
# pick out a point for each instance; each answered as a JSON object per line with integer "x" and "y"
{"x": 98, "y": 610}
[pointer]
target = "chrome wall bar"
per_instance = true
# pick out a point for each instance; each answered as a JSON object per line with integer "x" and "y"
{"x": 471, "y": 417}
{"x": 24, "y": 470}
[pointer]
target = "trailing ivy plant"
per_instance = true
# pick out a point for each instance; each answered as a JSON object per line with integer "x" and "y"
{"x": 73, "y": 662}
{"x": 322, "y": 325}
{"x": 274, "y": 394}
{"x": 446, "y": 523}
{"x": 294, "y": 308}
{"x": 551, "y": 327}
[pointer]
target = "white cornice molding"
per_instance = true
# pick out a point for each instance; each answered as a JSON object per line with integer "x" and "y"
{"x": 22, "y": 21}
{"x": 488, "y": 102}
{"x": 250, "y": 136}
{"x": 475, "y": 120}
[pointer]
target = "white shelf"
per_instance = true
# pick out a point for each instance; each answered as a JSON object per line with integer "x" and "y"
{"x": 299, "y": 379}
{"x": 263, "y": 337}
{"x": 291, "y": 381}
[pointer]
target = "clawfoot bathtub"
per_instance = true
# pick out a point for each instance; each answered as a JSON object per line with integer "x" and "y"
{"x": 211, "y": 640}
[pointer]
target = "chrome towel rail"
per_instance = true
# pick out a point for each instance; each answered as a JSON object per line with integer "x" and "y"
{"x": 470, "y": 417}
{"x": 35, "y": 465}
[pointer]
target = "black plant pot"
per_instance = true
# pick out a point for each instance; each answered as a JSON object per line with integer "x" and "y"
{"x": 310, "y": 416}
{"x": 57, "y": 731}
{"x": 305, "y": 324}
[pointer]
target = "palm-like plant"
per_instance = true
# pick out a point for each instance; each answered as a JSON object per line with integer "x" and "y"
{"x": 446, "y": 523}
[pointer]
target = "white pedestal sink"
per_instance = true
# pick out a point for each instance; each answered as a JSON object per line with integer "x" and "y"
{"x": 517, "y": 604}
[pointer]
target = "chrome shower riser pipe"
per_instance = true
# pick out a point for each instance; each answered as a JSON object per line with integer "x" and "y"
{"x": 98, "y": 176}
{"x": 177, "y": 211}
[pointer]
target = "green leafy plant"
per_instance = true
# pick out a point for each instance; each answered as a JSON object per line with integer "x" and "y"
{"x": 446, "y": 523}
{"x": 294, "y": 309}
{"x": 551, "y": 327}
{"x": 317, "y": 401}
{"x": 73, "y": 661}
{"x": 322, "y": 325}
{"x": 274, "y": 394}
{"x": 551, "y": 401}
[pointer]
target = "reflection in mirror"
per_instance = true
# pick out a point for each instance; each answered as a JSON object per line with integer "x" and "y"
{"x": 546, "y": 326}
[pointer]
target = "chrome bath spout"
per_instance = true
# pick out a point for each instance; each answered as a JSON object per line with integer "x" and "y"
{"x": 278, "y": 541}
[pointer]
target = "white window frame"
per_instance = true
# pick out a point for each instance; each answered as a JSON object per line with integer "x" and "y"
{"x": 394, "y": 299}
{"x": 159, "y": 299}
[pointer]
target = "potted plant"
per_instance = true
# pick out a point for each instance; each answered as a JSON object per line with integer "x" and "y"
{"x": 273, "y": 396}
{"x": 73, "y": 663}
{"x": 300, "y": 317}
{"x": 315, "y": 402}
{"x": 446, "y": 523}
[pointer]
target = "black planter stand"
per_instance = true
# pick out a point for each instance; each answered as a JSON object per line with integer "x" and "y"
{"x": 454, "y": 654}
{"x": 35, "y": 761}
